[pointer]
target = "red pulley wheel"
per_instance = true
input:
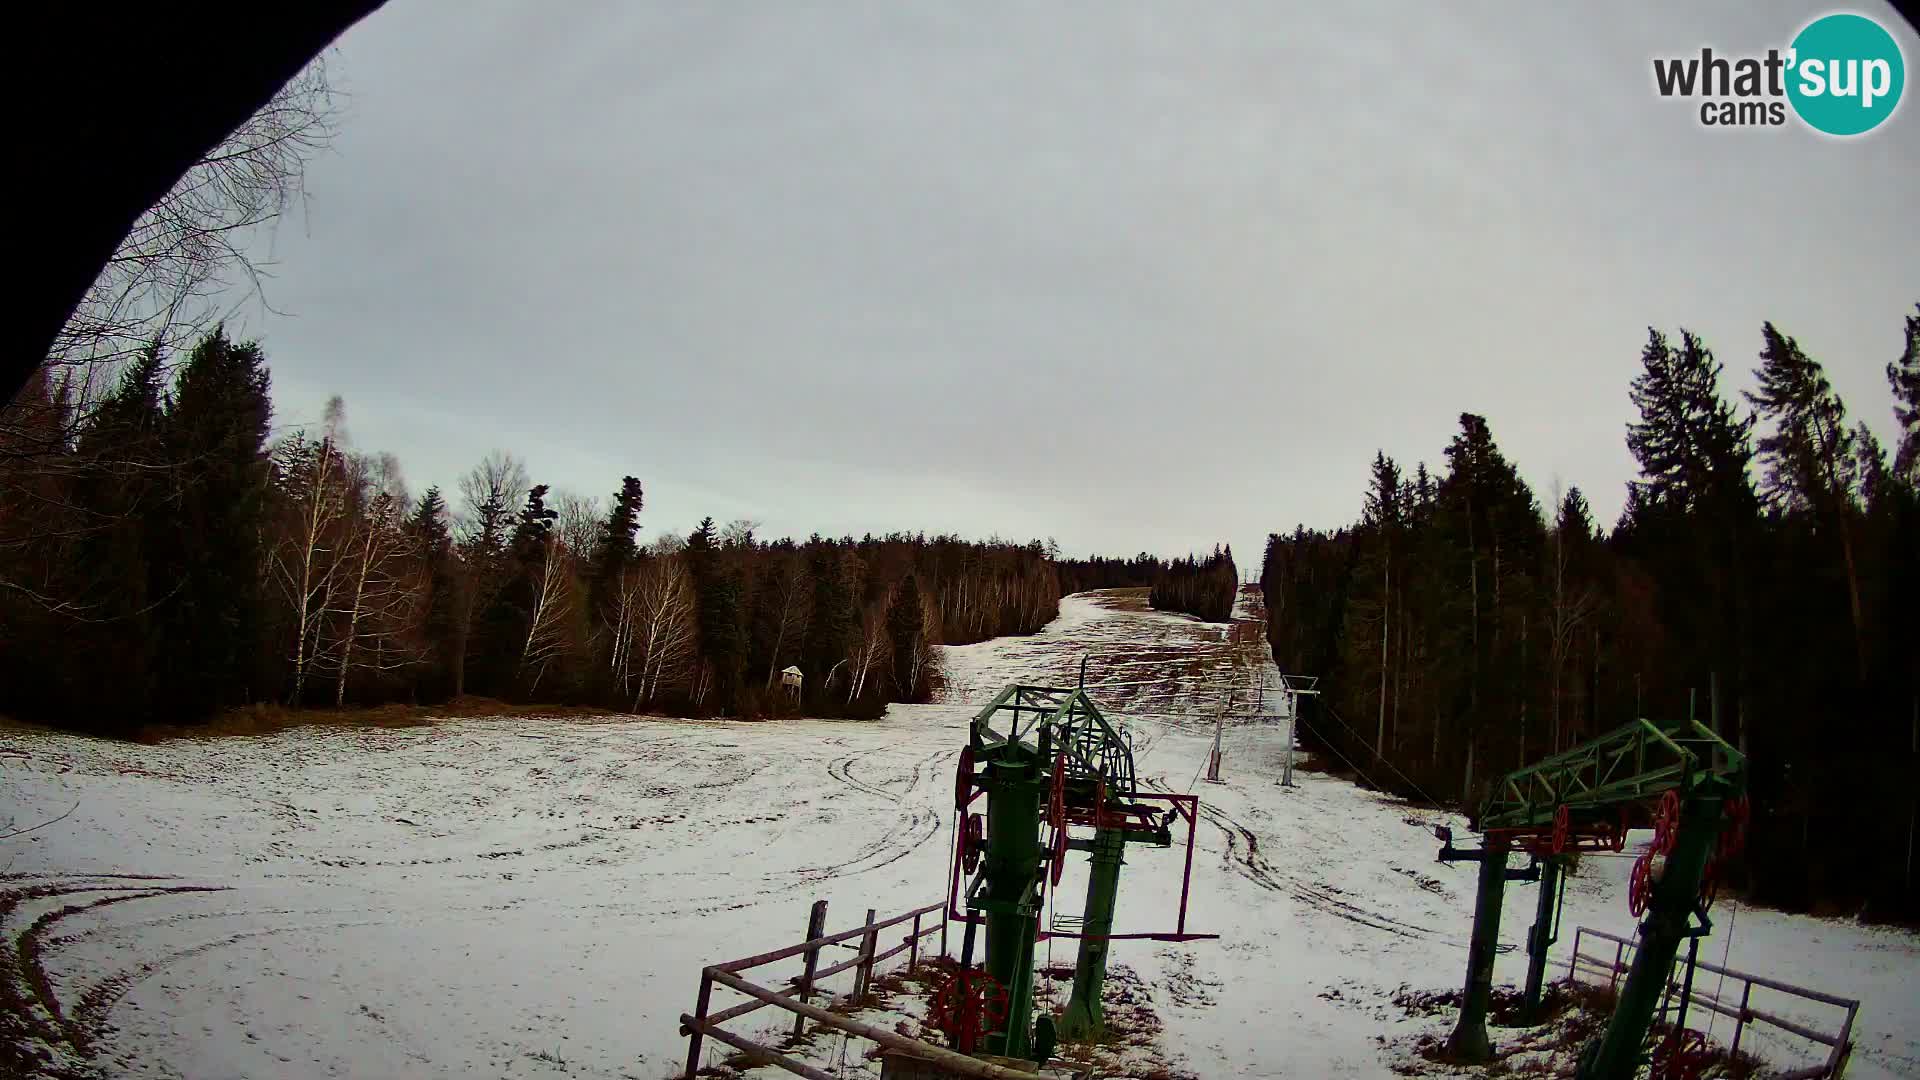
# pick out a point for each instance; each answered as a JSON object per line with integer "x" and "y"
{"x": 973, "y": 843}
{"x": 1562, "y": 826}
{"x": 1666, "y": 823}
{"x": 1059, "y": 854}
{"x": 963, "y": 779}
{"x": 1057, "y": 802}
{"x": 970, "y": 1005}
{"x": 1640, "y": 885}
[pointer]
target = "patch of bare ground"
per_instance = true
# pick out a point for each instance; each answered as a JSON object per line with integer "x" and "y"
{"x": 1130, "y": 1049}
{"x": 40, "y": 1035}
{"x": 272, "y": 719}
{"x": 1123, "y": 599}
{"x": 1572, "y": 1016}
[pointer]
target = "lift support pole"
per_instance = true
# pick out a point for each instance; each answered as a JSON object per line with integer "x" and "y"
{"x": 1014, "y": 782}
{"x": 1469, "y": 1041}
{"x": 1674, "y": 898}
{"x": 1540, "y": 938}
{"x": 1084, "y": 1016}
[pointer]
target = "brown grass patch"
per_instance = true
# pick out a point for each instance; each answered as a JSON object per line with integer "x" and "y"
{"x": 271, "y": 719}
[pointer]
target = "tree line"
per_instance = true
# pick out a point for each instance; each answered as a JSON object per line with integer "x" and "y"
{"x": 164, "y": 557}
{"x": 1762, "y": 578}
{"x": 1202, "y": 587}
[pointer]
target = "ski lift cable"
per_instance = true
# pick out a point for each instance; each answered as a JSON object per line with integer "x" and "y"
{"x": 1726, "y": 954}
{"x": 1330, "y": 711}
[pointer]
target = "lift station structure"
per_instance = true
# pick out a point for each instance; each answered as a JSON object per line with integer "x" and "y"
{"x": 1055, "y": 777}
{"x": 1685, "y": 781}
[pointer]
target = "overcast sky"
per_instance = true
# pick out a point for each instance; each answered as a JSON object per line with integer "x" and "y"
{"x": 1133, "y": 275}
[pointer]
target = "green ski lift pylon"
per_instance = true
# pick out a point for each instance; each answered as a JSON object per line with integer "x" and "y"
{"x": 1581, "y": 799}
{"x": 1053, "y": 759}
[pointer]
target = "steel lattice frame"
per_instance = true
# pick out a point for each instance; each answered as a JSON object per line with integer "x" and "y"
{"x": 1630, "y": 764}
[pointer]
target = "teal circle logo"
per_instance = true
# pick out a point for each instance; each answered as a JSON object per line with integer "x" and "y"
{"x": 1845, "y": 74}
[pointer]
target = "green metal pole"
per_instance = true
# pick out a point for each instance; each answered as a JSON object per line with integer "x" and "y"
{"x": 1540, "y": 937}
{"x": 1469, "y": 1042}
{"x": 1617, "y": 1054}
{"x": 1084, "y": 1017}
{"x": 1013, "y": 867}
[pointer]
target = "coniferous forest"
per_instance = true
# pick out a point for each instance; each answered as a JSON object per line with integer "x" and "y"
{"x": 1204, "y": 588}
{"x": 1763, "y": 578}
{"x": 166, "y": 558}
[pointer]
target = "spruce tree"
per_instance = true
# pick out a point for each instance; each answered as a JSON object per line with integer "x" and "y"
{"x": 428, "y": 530}
{"x": 718, "y": 602}
{"x": 1809, "y": 457}
{"x": 906, "y": 627}
{"x": 215, "y": 437}
{"x": 835, "y": 617}
{"x": 1904, "y": 376}
{"x": 615, "y": 550}
{"x": 121, "y": 493}
{"x": 1692, "y": 447}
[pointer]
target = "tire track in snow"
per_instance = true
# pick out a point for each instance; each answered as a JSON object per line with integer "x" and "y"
{"x": 1243, "y": 855}
{"x": 913, "y": 828}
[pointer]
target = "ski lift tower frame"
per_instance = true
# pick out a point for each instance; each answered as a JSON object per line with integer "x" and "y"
{"x": 1293, "y": 692}
{"x": 1586, "y": 798}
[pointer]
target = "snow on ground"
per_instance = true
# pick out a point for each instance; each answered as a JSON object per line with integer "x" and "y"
{"x": 535, "y": 898}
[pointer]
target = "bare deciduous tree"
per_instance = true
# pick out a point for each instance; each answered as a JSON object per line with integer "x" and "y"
{"x": 552, "y": 604}
{"x": 490, "y": 494}
{"x": 171, "y": 278}
{"x": 792, "y": 599}
{"x": 739, "y": 533}
{"x": 872, "y": 650}
{"x": 579, "y": 522}
{"x": 665, "y": 630}
{"x": 383, "y": 592}
{"x": 311, "y": 475}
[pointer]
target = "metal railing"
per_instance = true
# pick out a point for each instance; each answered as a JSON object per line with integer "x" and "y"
{"x": 1839, "y": 1044}
{"x": 793, "y": 994}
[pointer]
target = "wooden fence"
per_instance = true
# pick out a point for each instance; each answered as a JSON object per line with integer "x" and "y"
{"x": 792, "y": 995}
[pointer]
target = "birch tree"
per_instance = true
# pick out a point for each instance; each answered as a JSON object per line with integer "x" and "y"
{"x": 552, "y": 606}
{"x": 304, "y": 563}
{"x": 871, "y": 649}
{"x": 665, "y": 631}
{"x": 383, "y": 591}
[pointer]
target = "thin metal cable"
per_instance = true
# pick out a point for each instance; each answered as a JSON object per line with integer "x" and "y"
{"x": 1330, "y": 711}
{"x": 1719, "y": 991}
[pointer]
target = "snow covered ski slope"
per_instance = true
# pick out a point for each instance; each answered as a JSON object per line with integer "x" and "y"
{"x": 534, "y": 898}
